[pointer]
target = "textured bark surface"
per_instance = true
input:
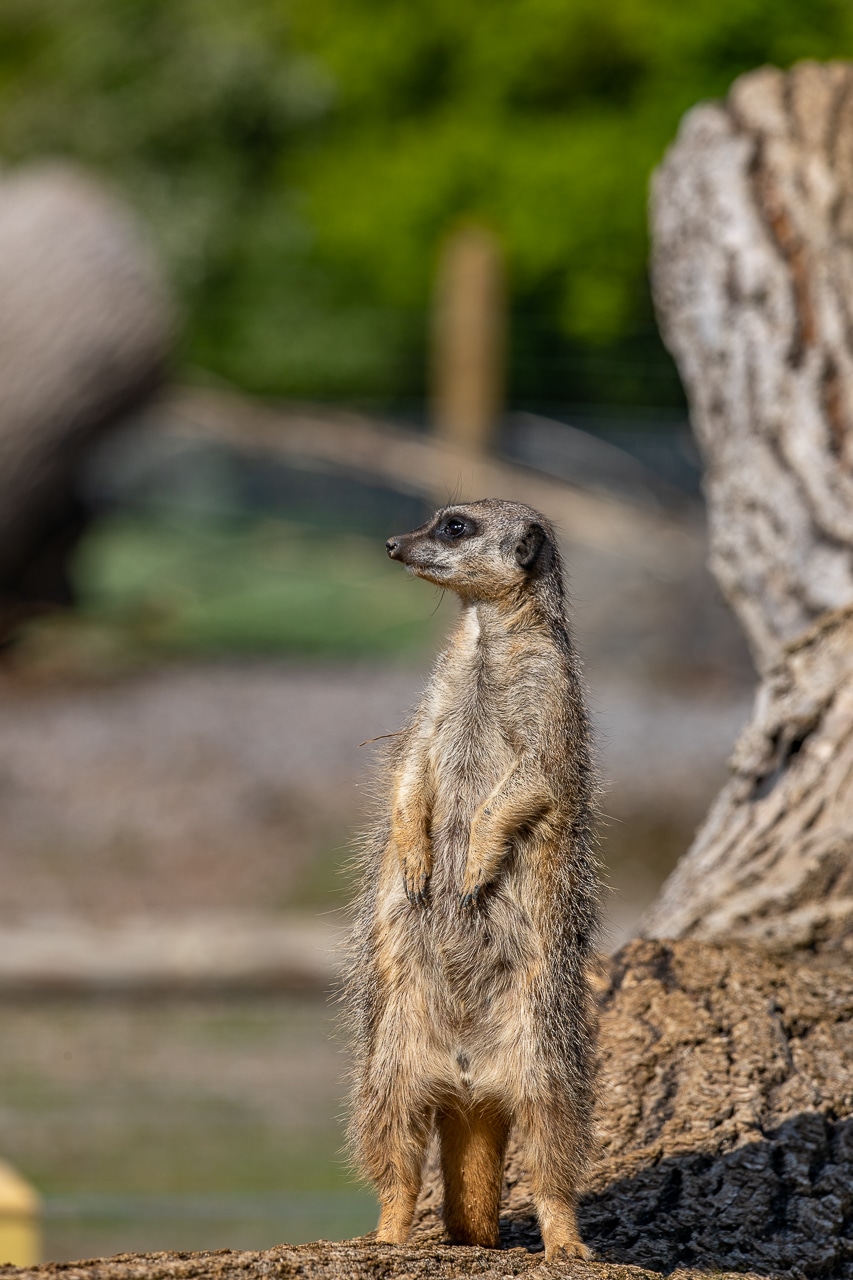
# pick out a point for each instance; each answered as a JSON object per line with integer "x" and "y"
{"x": 725, "y": 1139}
{"x": 773, "y": 861}
{"x": 84, "y": 332}
{"x": 752, "y": 215}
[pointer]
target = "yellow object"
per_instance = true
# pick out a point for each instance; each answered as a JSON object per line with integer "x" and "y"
{"x": 20, "y": 1210}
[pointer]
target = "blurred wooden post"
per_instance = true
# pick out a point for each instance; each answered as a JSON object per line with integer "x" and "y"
{"x": 20, "y": 1208}
{"x": 469, "y": 339}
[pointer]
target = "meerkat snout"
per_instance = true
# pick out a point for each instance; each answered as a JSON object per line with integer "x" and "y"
{"x": 400, "y": 546}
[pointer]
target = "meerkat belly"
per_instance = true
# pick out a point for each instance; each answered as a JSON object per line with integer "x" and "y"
{"x": 458, "y": 984}
{"x": 482, "y": 952}
{"x": 459, "y": 972}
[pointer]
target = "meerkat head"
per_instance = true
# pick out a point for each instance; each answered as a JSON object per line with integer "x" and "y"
{"x": 481, "y": 550}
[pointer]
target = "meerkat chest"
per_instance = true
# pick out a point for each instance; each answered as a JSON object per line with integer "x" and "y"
{"x": 469, "y": 737}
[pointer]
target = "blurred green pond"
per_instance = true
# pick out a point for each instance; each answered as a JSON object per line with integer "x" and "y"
{"x": 86, "y": 1225}
{"x": 185, "y": 1124}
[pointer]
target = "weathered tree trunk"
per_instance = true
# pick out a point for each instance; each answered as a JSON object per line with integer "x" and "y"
{"x": 753, "y": 277}
{"x": 773, "y": 861}
{"x": 85, "y": 329}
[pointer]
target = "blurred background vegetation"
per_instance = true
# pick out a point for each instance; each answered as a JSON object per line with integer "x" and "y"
{"x": 299, "y": 161}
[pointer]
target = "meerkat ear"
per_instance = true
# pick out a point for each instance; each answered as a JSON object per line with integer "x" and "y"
{"x": 529, "y": 545}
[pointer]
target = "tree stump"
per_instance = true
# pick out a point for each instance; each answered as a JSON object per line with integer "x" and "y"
{"x": 752, "y": 213}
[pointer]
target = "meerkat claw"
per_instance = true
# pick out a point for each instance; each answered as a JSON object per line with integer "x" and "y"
{"x": 573, "y": 1250}
{"x": 416, "y": 891}
{"x": 470, "y": 898}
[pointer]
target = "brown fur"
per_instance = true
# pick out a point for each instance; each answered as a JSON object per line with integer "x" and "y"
{"x": 468, "y": 986}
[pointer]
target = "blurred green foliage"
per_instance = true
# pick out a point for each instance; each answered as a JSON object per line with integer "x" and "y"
{"x": 252, "y": 587}
{"x": 300, "y": 161}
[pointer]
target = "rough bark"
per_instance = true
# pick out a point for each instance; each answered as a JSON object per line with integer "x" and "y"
{"x": 84, "y": 332}
{"x": 725, "y": 1138}
{"x": 773, "y": 861}
{"x": 753, "y": 276}
{"x": 351, "y": 1260}
{"x": 752, "y": 212}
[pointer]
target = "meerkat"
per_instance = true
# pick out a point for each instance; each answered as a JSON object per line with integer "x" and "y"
{"x": 468, "y": 986}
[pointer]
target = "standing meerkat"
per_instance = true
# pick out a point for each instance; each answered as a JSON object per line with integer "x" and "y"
{"x": 468, "y": 989}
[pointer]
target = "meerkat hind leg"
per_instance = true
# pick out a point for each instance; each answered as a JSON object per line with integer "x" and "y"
{"x": 473, "y": 1145}
{"x": 398, "y": 1191}
{"x": 394, "y": 1157}
{"x": 552, "y": 1142}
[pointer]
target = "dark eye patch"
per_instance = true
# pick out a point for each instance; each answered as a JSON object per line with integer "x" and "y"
{"x": 455, "y": 527}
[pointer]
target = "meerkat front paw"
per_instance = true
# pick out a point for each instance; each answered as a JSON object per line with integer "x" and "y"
{"x": 415, "y": 880}
{"x": 481, "y": 868}
{"x": 472, "y": 886}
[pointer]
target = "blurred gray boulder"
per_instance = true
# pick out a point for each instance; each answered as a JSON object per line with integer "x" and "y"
{"x": 85, "y": 330}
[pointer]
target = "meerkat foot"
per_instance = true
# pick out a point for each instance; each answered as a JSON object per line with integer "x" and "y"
{"x": 560, "y": 1229}
{"x": 390, "y": 1235}
{"x": 395, "y": 1219}
{"x": 570, "y": 1249}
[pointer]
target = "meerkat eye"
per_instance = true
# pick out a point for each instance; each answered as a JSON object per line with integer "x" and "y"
{"x": 454, "y": 527}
